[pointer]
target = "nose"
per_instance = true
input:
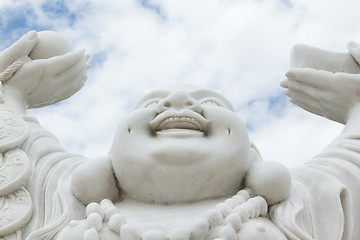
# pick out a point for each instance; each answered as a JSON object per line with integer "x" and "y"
{"x": 179, "y": 100}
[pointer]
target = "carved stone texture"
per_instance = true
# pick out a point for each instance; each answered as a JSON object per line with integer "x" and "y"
{"x": 14, "y": 170}
{"x": 15, "y": 211}
{"x": 13, "y": 130}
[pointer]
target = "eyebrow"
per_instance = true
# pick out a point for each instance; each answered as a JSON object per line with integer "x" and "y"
{"x": 199, "y": 94}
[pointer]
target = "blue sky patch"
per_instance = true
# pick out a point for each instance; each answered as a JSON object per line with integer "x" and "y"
{"x": 148, "y": 4}
{"x": 277, "y": 104}
{"x": 97, "y": 58}
{"x": 59, "y": 9}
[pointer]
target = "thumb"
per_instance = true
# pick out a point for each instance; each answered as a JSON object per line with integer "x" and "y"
{"x": 20, "y": 48}
{"x": 354, "y": 49}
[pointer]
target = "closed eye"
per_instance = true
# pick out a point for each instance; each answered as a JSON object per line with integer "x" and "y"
{"x": 211, "y": 102}
{"x": 151, "y": 103}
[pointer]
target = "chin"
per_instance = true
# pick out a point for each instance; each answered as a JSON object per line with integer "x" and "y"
{"x": 167, "y": 181}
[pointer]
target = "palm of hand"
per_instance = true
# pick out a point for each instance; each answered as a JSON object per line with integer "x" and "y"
{"x": 332, "y": 95}
{"x": 45, "y": 81}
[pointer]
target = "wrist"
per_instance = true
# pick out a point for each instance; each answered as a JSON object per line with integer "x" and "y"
{"x": 13, "y": 100}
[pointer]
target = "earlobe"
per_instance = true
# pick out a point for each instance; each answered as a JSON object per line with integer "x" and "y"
{"x": 270, "y": 180}
{"x": 94, "y": 181}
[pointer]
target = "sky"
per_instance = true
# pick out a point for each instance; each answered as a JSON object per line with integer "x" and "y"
{"x": 240, "y": 48}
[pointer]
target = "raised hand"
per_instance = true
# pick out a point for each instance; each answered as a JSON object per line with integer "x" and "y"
{"x": 40, "y": 82}
{"x": 46, "y": 81}
{"x": 19, "y": 49}
{"x": 332, "y": 95}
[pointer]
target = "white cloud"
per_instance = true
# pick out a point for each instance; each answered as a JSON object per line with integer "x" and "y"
{"x": 240, "y": 48}
{"x": 294, "y": 138}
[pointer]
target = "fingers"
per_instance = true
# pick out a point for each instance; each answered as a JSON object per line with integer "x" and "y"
{"x": 303, "y": 89}
{"x": 310, "y": 77}
{"x": 68, "y": 76}
{"x": 354, "y": 49}
{"x": 307, "y": 103}
{"x": 299, "y": 87}
{"x": 304, "y": 75}
{"x": 306, "y": 106}
{"x": 300, "y": 92}
{"x": 76, "y": 83}
{"x": 62, "y": 87}
{"x": 59, "y": 64}
{"x": 305, "y": 96}
{"x": 20, "y": 48}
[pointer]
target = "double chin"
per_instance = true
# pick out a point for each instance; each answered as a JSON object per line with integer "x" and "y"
{"x": 178, "y": 176}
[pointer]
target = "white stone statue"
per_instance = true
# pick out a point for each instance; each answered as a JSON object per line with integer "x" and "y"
{"x": 181, "y": 165}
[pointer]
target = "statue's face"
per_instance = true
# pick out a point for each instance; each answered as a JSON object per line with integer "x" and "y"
{"x": 180, "y": 144}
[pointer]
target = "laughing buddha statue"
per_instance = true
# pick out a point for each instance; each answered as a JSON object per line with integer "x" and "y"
{"x": 181, "y": 165}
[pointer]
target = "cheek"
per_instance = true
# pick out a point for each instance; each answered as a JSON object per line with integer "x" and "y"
{"x": 137, "y": 122}
{"x": 228, "y": 132}
{"x": 224, "y": 122}
{"x": 131, "y": 132}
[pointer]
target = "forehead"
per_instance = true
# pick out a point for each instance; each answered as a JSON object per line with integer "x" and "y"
{"x": 195, "y": 92}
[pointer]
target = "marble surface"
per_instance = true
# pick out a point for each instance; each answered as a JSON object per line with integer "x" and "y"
{"x": 181, "y": 165}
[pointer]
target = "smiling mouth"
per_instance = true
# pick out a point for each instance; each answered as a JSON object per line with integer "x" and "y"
{"x": 179, "y": 122}
{"x": 182, "y": 122}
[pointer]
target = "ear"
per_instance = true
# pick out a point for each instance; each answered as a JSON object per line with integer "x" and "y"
{"x": 254, "y": 154}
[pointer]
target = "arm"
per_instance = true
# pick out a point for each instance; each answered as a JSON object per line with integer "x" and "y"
{"x": 35, "y": 83}
{"x": 324, "y": 195}
{"x": 336, "y": 96}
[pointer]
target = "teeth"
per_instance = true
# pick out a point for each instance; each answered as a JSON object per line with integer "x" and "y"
{"x": 183, "y": 119}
